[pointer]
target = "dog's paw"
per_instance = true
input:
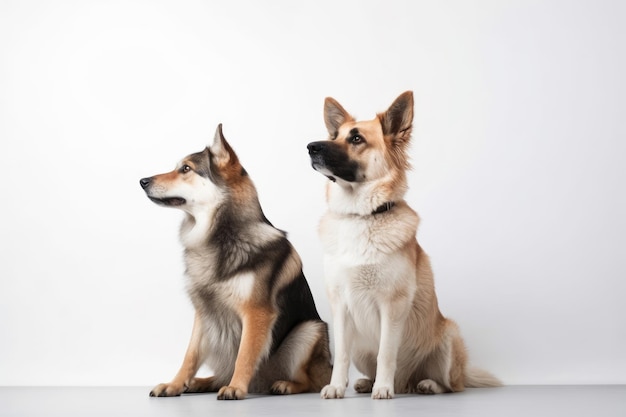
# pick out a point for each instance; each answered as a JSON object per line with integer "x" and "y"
{"x": 429, "y": 387}
{"x": 201, "y": 385}
{"x": 363, "y": 386}
{"x": 382, "y": 393}
{"x": 333, "y": 391}
{"x": 281, "y": 388}
{"x": 167, "y": 390}
{"x": 231, "y": 393}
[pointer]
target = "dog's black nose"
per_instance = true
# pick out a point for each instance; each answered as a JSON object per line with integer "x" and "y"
{"x": 145, "y": 182}
{"x": 314, "y": 147}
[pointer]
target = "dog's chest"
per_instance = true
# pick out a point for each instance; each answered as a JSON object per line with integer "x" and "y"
{"x": 209, "y": 290}
{"x": 352, "y": 240}
{"x": 361, "y": 240}
{"x": 365, "y": 283}
{"x": 365, "y": 256}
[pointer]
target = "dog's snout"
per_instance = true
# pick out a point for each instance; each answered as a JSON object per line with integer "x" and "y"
{"x": 145, "y": 182}
{"x": 314, "y": 147}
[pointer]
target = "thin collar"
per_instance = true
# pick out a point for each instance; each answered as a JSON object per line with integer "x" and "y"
{"x": 384, "y": 207}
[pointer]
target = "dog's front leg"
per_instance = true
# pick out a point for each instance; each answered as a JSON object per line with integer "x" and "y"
{"x": 341, "y": 365}
{"x": 188, "y": 369}
{"x": 392, "y": 318}
{"x": 257, "y": 323}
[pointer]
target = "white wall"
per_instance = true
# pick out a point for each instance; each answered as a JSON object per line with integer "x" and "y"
{"x": 518, "y": 153}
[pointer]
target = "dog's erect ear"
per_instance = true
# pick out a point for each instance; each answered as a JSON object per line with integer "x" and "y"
{"x": 221, "y": 150}
{"x": 397, "y": 120}
{"x": 334, "y": 116}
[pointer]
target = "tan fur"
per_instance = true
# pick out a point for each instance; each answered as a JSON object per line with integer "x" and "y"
{"x": 191, "y": 363}
{"x": 379, "y": 280}
{"x": 256, "y": 319}
{"x": 255, "y": 325}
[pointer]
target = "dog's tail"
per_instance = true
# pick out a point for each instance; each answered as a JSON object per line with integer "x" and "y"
{"x": 479, "y": 378}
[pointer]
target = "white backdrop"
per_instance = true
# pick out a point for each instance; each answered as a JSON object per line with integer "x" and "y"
{"x": 518, "y": 153}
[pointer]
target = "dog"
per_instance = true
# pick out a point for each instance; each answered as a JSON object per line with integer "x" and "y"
{"x": 256, "y": 324}
{"x": 379, "y": 280}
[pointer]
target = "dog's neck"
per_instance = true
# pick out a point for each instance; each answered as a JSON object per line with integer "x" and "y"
{"x": 384, "y": 207}
{"x": 363, "y": 199}
{"x": 194, "y": 230}
{"x": 197, "y": 225}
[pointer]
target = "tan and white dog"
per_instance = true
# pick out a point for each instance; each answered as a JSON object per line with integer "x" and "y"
{"x": 379, "y": 280}
{"x": 256, "y": 325}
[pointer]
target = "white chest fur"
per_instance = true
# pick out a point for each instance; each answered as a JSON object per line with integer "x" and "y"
{"x": 238, "y": 289}
{"x": 369, "y": 239}
{"x": 368, "y": 266}
{"x": 363, "y": 254}
{"x": 233, "y": 291}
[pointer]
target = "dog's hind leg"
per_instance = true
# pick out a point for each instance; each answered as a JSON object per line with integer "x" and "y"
{"x": 197, "y": 385}
{"x": 364, "y": 386}
{"x": 365, "y": 362}
{"x": 445, "y": 367}
{"x": 304, "y": 359}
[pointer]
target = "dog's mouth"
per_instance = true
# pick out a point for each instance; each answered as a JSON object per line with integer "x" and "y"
{"x": 169, "y": 201}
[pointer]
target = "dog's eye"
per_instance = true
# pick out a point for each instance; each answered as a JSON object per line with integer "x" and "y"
{"x": 185, "y": 169}
{"x": 356, "y": 139}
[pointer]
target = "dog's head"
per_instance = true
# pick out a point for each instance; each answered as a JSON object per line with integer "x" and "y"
{"x": 366, "y": 160}
{"x": 364, "y": 151}
{"x": 200, "y": 180}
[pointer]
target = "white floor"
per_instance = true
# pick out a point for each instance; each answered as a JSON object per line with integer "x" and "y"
{"x": 511, "y": 401}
